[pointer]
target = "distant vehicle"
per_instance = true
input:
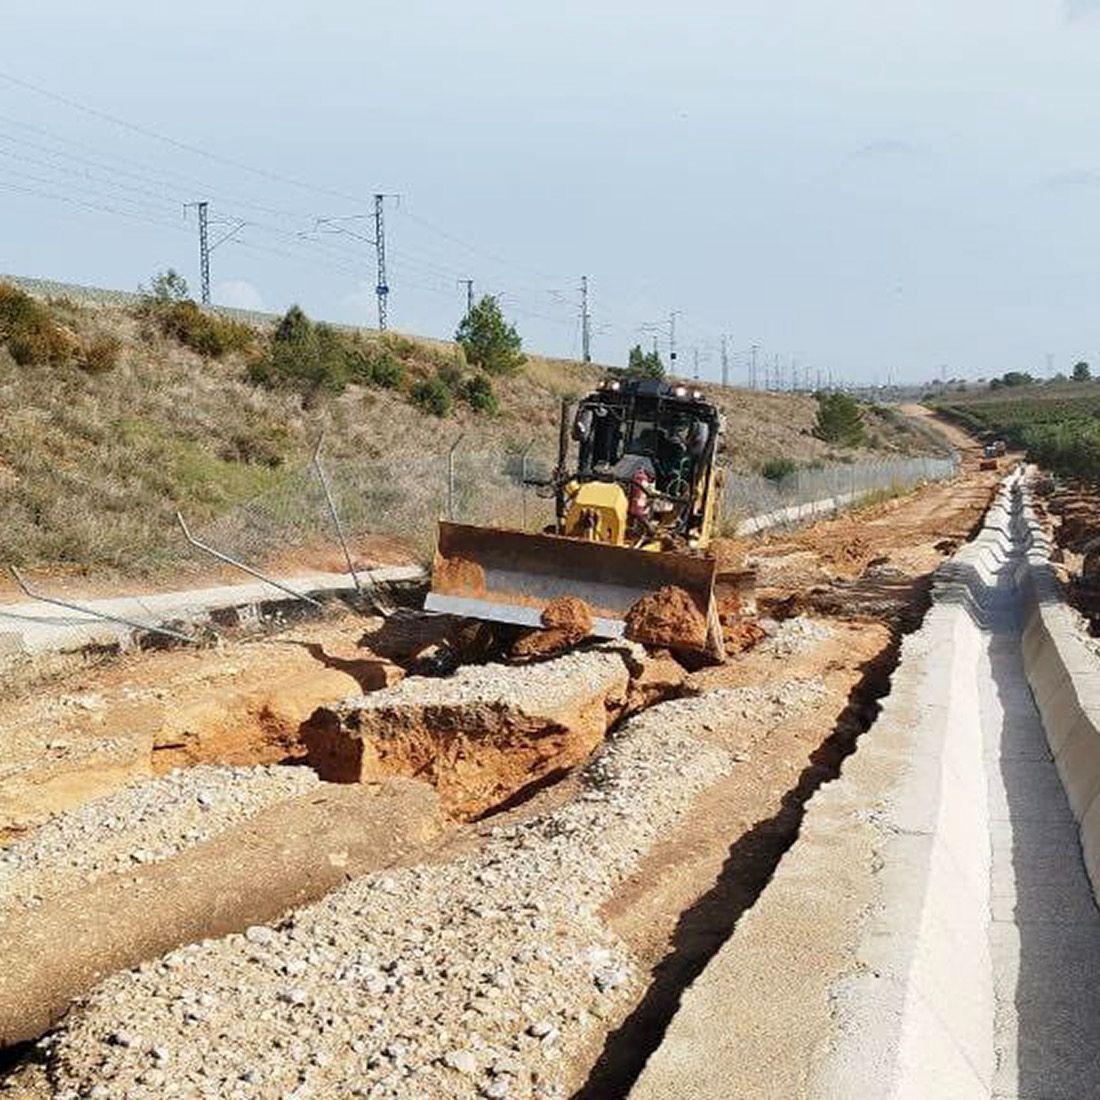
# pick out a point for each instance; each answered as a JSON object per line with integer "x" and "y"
{"x": 989, "y": 457}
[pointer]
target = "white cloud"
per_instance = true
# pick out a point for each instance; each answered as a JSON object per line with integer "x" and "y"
{"x": 239, "y": 294}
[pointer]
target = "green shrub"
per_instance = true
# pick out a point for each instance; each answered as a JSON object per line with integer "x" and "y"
{"x": 477, "y": 391}
{"x": 259, "y": 446}
{"x": 165, "y": 288}
{"x": 29, "y": 330}
{"x": 401, "y": 346}
{"x": 359, "y": 365}
{"x": 839, "y": 420}
{"x": 386, "y": 372}
{"x": 644, "y": 364}
{"x": 368, "y": 364}
{"x": 208, "y": 334}
{"x": 488, "y": 341}
{"x": 101, "y": 354}
{"x": 307, "y": 357}
{"x": 451, "y": 376}
{"x": 433, "y": 396}
{"x": 776, "y": 469}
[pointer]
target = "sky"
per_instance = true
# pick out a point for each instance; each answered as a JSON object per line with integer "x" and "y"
{"x": 867, "y": 189}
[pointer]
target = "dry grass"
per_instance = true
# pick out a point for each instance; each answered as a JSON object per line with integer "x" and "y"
{"x": 94, "y": 462}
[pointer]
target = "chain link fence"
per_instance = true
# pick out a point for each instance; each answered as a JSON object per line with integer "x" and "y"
{"x": 399, "y": 500}
{"x": 806, "y": 492}
{"x": 387, "y": 510}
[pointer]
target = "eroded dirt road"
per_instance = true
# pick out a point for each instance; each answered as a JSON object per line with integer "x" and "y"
{"x": 717, "y": 782}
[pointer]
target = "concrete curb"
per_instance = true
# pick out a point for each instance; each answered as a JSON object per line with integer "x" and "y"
{"x": 1064, "y": 675}
{"x": 37, "y": 627}
{"x": 796, "y": 513}
{"x": 864, "y": 969}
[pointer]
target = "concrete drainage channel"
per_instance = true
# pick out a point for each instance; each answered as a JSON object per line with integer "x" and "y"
{"x": 933, "y": 931}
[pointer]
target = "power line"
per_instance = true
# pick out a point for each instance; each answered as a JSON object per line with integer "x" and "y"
{"x": 144, "y": 131}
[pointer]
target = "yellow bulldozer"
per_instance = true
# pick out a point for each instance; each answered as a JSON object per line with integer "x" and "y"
{"x": 635, "y": 514}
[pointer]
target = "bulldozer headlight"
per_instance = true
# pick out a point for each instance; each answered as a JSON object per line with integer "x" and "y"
{"x": 680, "y": 391}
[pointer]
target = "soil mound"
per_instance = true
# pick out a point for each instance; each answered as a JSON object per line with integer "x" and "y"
{"x": 667, "y": 617}
{"x": 567, "y": 620}
{"x": 742, "y": 634}
{"x": 569, "y": 613}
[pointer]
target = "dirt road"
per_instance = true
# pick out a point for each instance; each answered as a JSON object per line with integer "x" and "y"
{"x": 746, "y": 745}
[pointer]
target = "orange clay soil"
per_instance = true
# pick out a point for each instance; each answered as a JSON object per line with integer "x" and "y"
{"x": 667, "y": 617}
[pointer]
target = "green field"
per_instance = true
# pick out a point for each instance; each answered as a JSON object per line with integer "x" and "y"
{"x": 1058, "y": 424}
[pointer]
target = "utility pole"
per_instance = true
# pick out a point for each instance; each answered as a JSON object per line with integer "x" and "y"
{"x": 204, "y": 253}
{"x": 205, "y": 247}
{"x": 725, "y": 365}
{"x": 672, "y": 342}
{"x": 381, "y": 287}
{"x": 695, "y": 364}
{"x": 469, "y": 285}
{"x": 586, "y": 323}
{"x": 752, "y": 365}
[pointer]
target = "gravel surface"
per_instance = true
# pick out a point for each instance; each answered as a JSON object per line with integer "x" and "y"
{"x": 797, "y": 635}
{"x": 472, "y": 978}
{"x": 145, "y": 822}
{"x": 765, "y": 706}
{"x": 535, "y": 688}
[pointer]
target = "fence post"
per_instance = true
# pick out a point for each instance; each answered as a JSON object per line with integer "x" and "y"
{"x": 523, "y": 480}
{"x": 322, "y": 476}
{"x": 451, "y": 476}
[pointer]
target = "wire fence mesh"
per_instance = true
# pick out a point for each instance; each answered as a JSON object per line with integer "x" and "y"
{"x": 388, "y": 509}
{"x": 399, "y": 500}
{"x": 747, "y": 496}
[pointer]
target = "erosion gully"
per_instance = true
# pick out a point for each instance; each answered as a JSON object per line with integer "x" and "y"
{"x": 864, "y": 577}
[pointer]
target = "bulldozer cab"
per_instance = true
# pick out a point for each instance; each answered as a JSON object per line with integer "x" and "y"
{"x": 655, "y": 433}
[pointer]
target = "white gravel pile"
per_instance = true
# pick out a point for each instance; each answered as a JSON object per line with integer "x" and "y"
{"x": 465, "y": 979}
{"x": 145, "y": 822}
{"x": 793, "y": 636}
{"x": 535, "y": 688}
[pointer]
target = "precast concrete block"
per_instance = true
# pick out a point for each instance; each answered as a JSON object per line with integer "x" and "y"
{"x": 1033, "y": 638}
{"x": 1047, "y": 676}
{"x": 1090, "y": 844}
{"x": 1078, "y": 763}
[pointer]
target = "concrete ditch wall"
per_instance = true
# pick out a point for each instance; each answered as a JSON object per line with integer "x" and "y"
{"x": 865, "y": 967}
{"x": 1064, "y": 674}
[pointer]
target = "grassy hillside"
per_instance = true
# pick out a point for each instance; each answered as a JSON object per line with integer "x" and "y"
{"x": 110, "y": 419}
{"x": 1057, "y": 423}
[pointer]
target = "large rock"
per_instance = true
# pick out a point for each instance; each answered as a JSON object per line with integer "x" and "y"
{"x": 478, "y": 736}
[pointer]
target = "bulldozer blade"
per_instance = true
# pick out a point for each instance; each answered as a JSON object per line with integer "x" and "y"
{"x": 510, "y": 576}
